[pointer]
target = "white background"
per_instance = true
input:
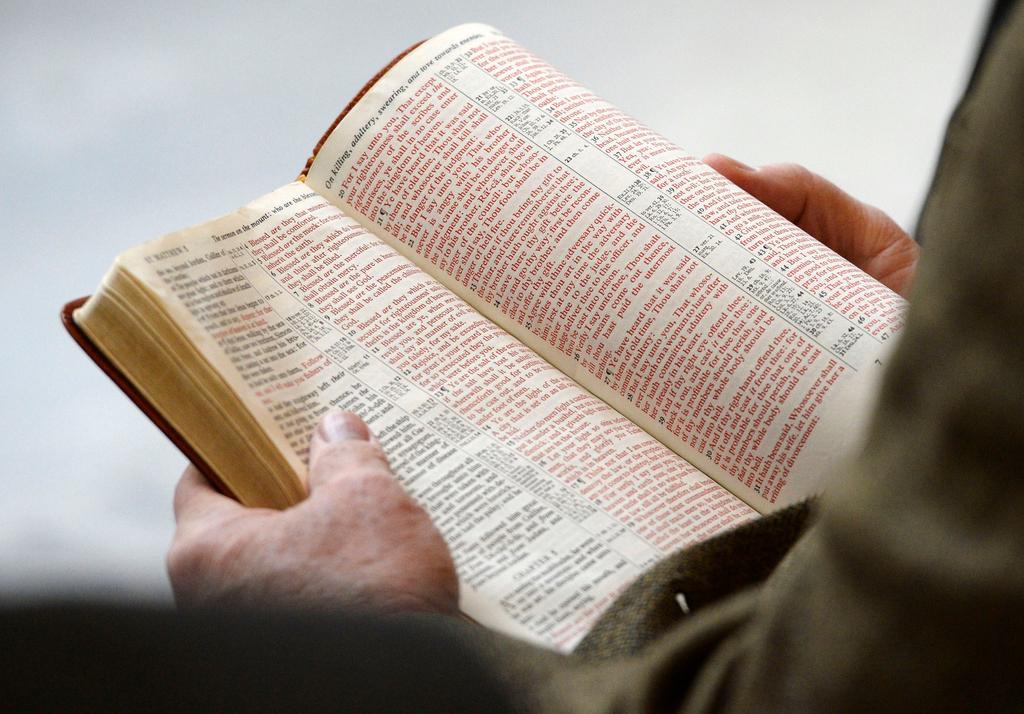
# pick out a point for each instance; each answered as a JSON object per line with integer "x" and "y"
{"x": 120, "y": 122}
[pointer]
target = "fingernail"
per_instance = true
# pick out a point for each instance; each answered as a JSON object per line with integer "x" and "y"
{"x": 342, "y": 426}
{"x": 731, "y": 161}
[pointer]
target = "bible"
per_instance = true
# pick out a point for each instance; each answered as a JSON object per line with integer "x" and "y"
{"x": 580, "y": 347}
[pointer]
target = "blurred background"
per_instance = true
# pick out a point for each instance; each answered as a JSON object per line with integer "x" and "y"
{"x": 123, "y": 121}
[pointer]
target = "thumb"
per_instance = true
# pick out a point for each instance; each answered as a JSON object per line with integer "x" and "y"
{"x": 342, "y": 447}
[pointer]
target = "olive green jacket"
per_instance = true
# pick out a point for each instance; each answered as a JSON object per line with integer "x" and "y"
{"x": 905, "y": 589}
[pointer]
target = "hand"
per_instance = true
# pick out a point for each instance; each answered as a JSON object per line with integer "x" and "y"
{"x": 358, "y": 540}
{"x": 862, "y": 234}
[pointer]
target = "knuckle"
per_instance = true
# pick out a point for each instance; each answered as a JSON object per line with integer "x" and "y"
{"x": 799, "y": 174}
{"x": 362, "y": 465}
{"x": 189, "y": 557}
{"x": 351, "y": 457}
{"x": 200, "y": 557}
{"x": 367, "y": 483}
{"x": 370, "y": 452}
{"x": 181, "y": 491}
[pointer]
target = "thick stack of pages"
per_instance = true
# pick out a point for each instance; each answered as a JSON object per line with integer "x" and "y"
{"x": 581, "y": 348}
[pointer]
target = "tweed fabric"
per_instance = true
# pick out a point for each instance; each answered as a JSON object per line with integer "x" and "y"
{"x": 651, "y": 605}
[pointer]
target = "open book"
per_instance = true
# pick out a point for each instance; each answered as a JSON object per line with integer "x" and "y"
{"x": 580, "y": 347}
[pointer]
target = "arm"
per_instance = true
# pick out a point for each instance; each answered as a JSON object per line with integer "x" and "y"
{"x": 905, "y": 595}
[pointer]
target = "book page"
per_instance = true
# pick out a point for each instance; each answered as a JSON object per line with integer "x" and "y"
{"x": 714, "y": 324}
{"x": 550, "y": 501}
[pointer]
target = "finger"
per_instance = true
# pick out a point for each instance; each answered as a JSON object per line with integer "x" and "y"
{"x": 728, "y": 166}
{"x": 342, "y": 447}
{"x": 788, "y": 189}
{"x": 815, "y": 204}
{"x": 195, "y": 499}
{"x": 853, "y": 229}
